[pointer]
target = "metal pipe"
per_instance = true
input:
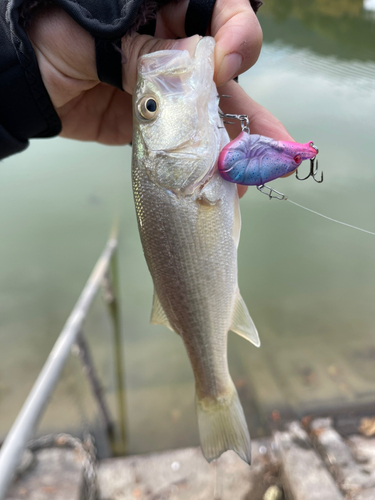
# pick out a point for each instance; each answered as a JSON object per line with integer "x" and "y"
{"x": 22, "y": 429}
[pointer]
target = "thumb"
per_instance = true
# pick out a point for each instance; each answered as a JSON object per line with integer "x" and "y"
{"x": 135, "y": 45}
{"x": 238, "y": 37}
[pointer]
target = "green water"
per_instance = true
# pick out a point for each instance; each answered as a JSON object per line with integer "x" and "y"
{"x": 309, "y": 283}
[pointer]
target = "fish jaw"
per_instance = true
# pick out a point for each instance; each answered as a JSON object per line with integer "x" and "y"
{"x": 253, "y": 160}
{"x": 181, "y": 143}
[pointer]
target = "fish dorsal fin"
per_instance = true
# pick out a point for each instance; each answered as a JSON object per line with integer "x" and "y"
{"x": 242, "y": 324}
{"x": 158, "y": 316}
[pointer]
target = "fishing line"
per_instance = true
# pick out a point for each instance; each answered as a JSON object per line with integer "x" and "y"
{"x": 329, "y": 218}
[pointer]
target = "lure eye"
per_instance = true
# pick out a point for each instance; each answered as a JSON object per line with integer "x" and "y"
{"x": 297, "y": 159}
{"x": 148, "y": 107}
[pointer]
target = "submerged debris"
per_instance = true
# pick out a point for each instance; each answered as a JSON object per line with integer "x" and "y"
{"x": 273, "y": 493}
{"x": 367, "y": 427}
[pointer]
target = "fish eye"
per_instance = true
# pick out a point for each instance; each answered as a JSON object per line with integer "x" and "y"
{"x": 297, "y": 159}
{"x": 148, "y": 107}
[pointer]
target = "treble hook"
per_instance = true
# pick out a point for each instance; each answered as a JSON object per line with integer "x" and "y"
{"x": 278, "y": 196}
{"x": 315, "y": 170}
{"x": 313, "y": 167}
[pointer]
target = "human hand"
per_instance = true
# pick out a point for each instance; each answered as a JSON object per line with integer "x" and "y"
{"x": 238, "y": 38}
{"x": 94, "y": 111}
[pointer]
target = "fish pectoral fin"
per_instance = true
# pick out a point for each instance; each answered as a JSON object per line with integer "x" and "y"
{"x": 242, "y": 324}
{"x": 211, "y": 193}
{"x": 158, "y": 316}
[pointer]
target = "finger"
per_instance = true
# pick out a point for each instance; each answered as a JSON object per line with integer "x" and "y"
{"x": 261, "y": 121}
{"x": 234, "y": 26}
{"x": 238, "y": 37}
{"x": 170, "y": 21}
{"x": 241, "y": 190}
{"x": 102, "y": 114}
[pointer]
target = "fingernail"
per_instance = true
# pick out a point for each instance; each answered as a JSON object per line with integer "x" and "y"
{"x": 188, "y": 44}
{"x": 229, "y": 68}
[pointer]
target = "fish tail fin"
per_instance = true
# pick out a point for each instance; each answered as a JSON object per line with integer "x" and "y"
{"x": 222, "y": 426}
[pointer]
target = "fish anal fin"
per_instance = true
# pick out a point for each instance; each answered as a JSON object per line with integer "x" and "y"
{"x": 158, "y": 316}
{"x": 242, "y": 324}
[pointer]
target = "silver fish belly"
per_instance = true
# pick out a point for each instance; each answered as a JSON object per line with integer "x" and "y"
{"x": 189, "y": 223}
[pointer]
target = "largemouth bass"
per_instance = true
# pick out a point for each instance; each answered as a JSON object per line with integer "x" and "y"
{"x": 189, "y": 223}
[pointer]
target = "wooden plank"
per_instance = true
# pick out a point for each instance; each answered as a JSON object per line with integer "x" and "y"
{"x": 55, "y": 473}
{"x": 304, "y": 474}
{"x": 308, "y": 377}
{"x": 185, "y": 475}
{"x": 352, "y": 466}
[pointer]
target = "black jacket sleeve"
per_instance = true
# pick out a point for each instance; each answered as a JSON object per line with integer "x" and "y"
{"x": 26, "y": 110}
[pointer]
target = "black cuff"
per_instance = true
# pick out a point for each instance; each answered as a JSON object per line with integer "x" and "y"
{"x": 109, "y": 61}
{"x": 198, "y": 17}
{"x": 10, "y": 145}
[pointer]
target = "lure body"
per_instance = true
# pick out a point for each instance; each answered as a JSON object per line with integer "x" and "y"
{"x": 253, "y": 160}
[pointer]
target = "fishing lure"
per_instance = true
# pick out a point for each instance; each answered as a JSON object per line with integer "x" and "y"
{"x": 253, "y": 160}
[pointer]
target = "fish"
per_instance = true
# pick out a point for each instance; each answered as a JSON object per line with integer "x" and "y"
{"x": 189, "y": 223}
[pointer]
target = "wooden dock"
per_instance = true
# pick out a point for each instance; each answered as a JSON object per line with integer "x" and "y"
{"x": 305, "y": 461}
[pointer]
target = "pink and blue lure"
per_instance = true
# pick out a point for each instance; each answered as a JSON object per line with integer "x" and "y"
{"x": 253, "y": 160}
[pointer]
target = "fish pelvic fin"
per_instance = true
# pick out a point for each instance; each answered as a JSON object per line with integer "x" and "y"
{"x": 222, "y": 426}
{"x": 242, "y": 324}
{"x": 158, "y": 316}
